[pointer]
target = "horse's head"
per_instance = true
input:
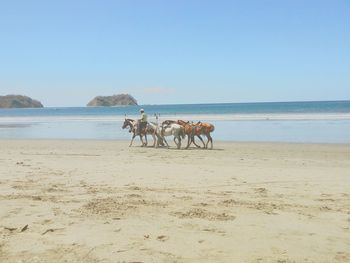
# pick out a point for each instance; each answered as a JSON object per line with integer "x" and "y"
{"x": 128, "y": 123}
{"x": 184, "y": 123}
{"x": 125, "y": 124}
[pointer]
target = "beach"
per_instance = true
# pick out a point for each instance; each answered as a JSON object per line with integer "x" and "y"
{"x": 101, "y": 201}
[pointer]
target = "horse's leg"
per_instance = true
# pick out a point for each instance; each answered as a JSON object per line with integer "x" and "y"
{"x": 157, "y": 142}
{"x": 132, "y": 140}
{"x": 194, "y": 142}
{"x": 159, "y": 139}
{"x": 146, "y": 140}
{"x": 142, "y": 143}
{"x": 166, "y": 142}
{"x": 188, "y": 141}
{"x": 211, "y": 141}
{"x": 200, "y": 137}
{"x": 154, "y": 139}
{"x": 178, "y": 142}
{"x": 208, "y": 137}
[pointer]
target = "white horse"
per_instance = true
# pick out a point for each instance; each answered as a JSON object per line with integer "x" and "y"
{"x": 173, "y": 129}
{"x": 150, "y": 129}
{"x": 132, "y": 125}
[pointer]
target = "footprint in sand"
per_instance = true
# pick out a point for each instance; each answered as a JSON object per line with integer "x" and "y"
{"x": 204, "y": 214}
{"x": 342, "y": 256}
{"x": 213, "y": 230}
{"x": 162, "y": 238}
{"x": 260, "y": 190}
{"x": 46, "y": 221}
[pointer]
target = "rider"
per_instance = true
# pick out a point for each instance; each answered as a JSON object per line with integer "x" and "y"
{"x": 142, "y": 123}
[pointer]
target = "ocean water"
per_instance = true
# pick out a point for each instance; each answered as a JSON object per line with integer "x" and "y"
{"x": 302, "y": 122}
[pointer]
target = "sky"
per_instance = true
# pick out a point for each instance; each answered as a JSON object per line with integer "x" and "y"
{"x": 64, "y": 53}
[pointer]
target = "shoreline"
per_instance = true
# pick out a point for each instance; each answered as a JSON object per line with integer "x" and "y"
{"x": 173, "y": 146}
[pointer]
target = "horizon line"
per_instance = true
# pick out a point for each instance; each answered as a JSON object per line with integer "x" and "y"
{"x": 201, "y": 103}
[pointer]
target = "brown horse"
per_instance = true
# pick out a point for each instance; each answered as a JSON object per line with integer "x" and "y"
{"x": 205, "y": 129}
{"x": 191, "y": 131}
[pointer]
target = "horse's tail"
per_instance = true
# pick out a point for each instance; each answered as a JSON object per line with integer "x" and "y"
{"x": 212, "y": 128}
{"x": 207, "y": 127}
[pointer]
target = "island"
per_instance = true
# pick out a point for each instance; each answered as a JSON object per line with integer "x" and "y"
{"x": 115, "y": 100}
{"x": 19, "y": 101}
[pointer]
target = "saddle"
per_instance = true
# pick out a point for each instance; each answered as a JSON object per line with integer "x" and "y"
{"x": 140, "y": 129}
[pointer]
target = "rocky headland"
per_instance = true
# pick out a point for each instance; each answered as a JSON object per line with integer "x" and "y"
{"x": 19, "y": 101}
{"x": 115, "y": 100}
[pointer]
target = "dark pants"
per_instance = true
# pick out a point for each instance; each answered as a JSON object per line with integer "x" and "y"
{"x": 141, "y": 126}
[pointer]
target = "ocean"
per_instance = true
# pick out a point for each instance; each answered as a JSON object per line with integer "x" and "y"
{"x": 296, "y": 122}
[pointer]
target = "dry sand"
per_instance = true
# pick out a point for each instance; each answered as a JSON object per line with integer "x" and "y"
{"x": 101, "y": 201}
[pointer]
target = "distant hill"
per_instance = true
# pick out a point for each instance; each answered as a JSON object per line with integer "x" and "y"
{"x": 19, "y": 101}
{"x": 115, "y": 100}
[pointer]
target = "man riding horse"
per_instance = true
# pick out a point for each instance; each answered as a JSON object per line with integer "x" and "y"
{"x": 142, "y": 123}
{"x": 141, "y": 128}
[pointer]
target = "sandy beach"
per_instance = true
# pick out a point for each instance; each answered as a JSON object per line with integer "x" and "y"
{"x": 101, "y": 201}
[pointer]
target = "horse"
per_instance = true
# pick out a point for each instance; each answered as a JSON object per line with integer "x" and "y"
{"x": 132, "y": 124}
{"x": 205, "y": 129}
{"x": 197, "y": 129}
{"x": 174, "y": 129}
{"x": 190, "y": 131}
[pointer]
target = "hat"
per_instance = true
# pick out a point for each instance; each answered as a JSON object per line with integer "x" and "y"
{"x": 142, "y": 110}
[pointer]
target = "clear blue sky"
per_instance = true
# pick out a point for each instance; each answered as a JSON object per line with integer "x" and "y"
{"x": 66, "y": 52}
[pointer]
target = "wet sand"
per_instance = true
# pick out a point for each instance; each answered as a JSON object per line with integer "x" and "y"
{"x": 101, "y": 201}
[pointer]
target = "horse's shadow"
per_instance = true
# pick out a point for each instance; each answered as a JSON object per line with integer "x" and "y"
{"x": 181, "y": 149}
